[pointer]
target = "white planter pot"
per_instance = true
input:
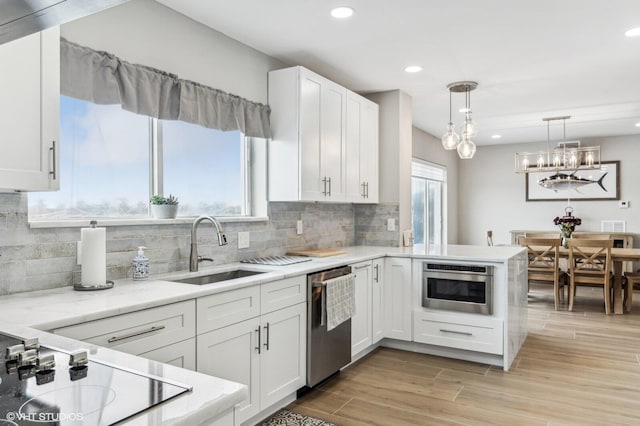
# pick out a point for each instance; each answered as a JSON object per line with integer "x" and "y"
{"x": 164, "y": 211}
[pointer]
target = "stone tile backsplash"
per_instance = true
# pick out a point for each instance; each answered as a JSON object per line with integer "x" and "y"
{"x": 37, "y": 259}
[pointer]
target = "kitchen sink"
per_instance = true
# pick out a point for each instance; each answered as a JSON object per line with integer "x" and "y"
{"x": 220, "y": 276}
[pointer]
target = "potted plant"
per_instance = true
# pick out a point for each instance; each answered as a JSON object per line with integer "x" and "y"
{"x": 164, "y": 207}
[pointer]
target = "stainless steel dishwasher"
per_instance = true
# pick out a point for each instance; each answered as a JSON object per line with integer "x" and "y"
{"x": 327, "y": 351}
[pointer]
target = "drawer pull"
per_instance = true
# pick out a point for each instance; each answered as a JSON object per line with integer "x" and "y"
{"x": 258, "y": 333}
{"x": 464, "y": 333}
{"x": 361, "y": 267}
{"x": 137, "y": 333}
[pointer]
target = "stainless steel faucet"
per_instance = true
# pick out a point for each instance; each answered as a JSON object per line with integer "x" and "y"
{"x": 222, "y": 240}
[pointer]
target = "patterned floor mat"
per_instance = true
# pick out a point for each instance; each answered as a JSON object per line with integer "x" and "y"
{"x": 289, "y": 418}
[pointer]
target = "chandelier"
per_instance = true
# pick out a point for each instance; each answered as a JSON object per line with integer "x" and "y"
{"x": 450, "y": 140}
{"x": 568, "y": 156}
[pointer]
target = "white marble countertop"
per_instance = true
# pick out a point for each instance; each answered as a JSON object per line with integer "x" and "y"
{"x": 49, "y": 309}
{"x": 63, "y": 306}
{"x": 209, "y": 397}
{"x": 60, "y": 307}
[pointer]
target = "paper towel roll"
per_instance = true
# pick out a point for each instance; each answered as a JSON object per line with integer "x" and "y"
{"x": 94, "y": 256}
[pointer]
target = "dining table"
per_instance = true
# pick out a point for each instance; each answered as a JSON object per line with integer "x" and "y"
{"x": 618, "y": 256}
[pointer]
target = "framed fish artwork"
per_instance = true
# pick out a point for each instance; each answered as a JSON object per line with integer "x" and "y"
{"x": 586, "y": 185}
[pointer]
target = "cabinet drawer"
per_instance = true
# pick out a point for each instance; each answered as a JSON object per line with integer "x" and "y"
{"x": 478, "y": 334}
{"x": 230, "y": 307}
{"x": 280, "y": 294}
{"x": 140, "y": 331}
{"x": 181, "y": 354}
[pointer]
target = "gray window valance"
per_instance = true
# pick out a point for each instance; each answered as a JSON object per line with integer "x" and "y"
{"x": 103, "y": 78}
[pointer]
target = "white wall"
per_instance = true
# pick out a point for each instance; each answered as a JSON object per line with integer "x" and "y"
{"x": 492, "y": 197}
{"x": 429, "y": 148}
{"x": 148, "y": 33}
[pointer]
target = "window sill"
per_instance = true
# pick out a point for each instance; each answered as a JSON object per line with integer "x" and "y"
{"x": 137, "y": 222}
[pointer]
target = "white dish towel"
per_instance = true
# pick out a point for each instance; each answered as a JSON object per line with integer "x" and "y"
{"x": 341, "y": 301}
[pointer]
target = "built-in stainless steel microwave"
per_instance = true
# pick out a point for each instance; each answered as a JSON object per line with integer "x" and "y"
{"x": 454, "y": 287}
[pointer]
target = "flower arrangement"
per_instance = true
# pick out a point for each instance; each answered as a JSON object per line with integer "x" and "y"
{"x": 567, "y": 224}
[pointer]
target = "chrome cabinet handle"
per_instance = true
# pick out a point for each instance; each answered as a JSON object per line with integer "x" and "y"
{"x": 363, "y": 190}
{"x": 376, "y": 277}
{"x": 53, "y": 172}
{"x": 464, "y": 333}
{"x": 266, "y": 327}
{"x": 360, "y": 267}
{"x": 367, "y": 187}
{"x": 258, "y": 333}
{"x": 329, "y": 180}
{"x": 134, "y": 334}
{"x": 324, "y": 181}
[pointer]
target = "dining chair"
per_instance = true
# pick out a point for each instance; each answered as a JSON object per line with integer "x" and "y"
{"x": 590, "y": 265}
{"x": 631, "y": 279}
{"x": 543, "y": 254}
{"x": 591, "y": 236}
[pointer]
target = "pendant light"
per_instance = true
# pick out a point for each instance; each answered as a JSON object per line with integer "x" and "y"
{"x": 569, "y": 156}
{"x": 450, "y": 140}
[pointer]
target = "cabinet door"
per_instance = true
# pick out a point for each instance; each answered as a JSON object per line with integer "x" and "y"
{"x": 377, "y": 298}
{"x": 181, "y": 354}
{"x": 397, "y": 298}
{"x": 354, "y": 190}
{"x": 332, "y": 129}
{"x": 312, "y": 184}
{"x": 361, "y": 321}
{"x": 29, "y": 112}
{"x": 361, "y": 150}
{"x": 283, "y": 355}
{"x": 231, "y": 353}
{"x": 369, "y": 148}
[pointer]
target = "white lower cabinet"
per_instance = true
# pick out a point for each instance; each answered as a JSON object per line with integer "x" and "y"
{"x": 164, "y": 333}
{"x": 231, "y": 353}
{"x": 266, "y": 352}
{"x": 361, "y": 320}
{"x": 468, "y": 332}
{"x": 283, "y": 366}
{"x": 181, "y": 354}
{"x": 397, "y": 298}
{"x": 377, "y": 301}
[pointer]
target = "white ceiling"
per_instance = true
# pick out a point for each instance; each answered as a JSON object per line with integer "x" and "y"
{"x": 532, "y": 59}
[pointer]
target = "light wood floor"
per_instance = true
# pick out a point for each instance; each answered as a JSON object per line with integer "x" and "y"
{"x": 575, "y": 368}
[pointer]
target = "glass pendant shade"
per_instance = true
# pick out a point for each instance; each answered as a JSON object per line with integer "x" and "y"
{"x": 466, "y": 148}
{"x": 469, "y": 126}
{"x": 450, "y": 140}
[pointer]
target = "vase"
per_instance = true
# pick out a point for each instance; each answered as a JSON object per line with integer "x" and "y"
{"x": 164, "y": 211}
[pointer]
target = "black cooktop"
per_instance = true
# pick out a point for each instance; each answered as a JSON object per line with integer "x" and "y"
{"x": 38, "y": 386}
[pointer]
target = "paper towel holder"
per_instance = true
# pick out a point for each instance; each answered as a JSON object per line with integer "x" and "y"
{"x": 83, "y": 287}
{"x": 90, "y": 287}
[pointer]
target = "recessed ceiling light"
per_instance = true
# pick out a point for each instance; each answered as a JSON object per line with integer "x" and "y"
{"x": 342, "y": 12}
{"x": 637, "y": 124}
{"x": 496, "y": 136}
{"x": 464, "y": 110}
{"x": 633, "y": 32}
{"x": 413, "y": 68}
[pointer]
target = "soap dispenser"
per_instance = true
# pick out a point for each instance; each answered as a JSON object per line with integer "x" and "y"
{"x": 140, "y": 265}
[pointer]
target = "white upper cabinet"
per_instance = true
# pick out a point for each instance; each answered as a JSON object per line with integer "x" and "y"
{"x": 361, "y": 150}
{"x": 29, "y": 112}
{"x": 308, "y": 159}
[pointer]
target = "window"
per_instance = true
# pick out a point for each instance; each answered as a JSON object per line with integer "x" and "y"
{"x": 113, "y": 160}
{"x": 427, "y": 203}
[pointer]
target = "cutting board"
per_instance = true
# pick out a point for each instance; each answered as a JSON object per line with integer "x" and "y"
{"x": 317, "y": 252}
